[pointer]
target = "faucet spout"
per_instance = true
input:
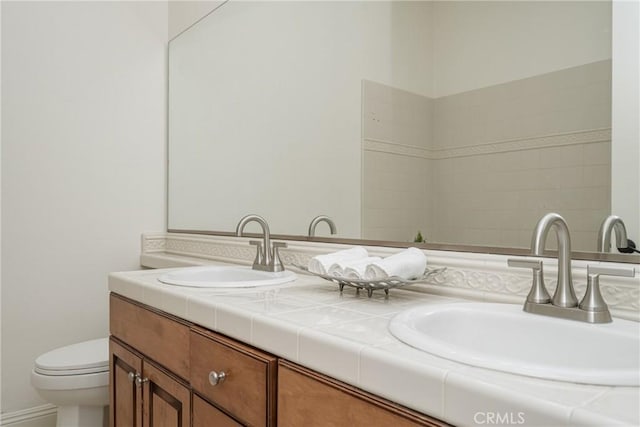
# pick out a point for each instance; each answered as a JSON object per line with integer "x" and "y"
{"x": 615, "y": 223}
{"x": 266, "y": 235}
{"x": 564, "y": 295}
{"x": 317, "y": 220}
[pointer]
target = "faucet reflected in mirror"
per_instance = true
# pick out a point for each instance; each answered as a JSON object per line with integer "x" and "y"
{"x": 616, "y": 224}
{"x": 317, "y": 220}
{"x": 267, "y": 254}
{"x": 564, "y": 304}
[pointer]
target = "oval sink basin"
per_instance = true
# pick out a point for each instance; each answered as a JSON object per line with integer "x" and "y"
{"x": 225, "y": 277}
{"x": 505, "y": 338}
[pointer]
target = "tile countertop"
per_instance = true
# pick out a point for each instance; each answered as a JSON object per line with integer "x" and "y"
{"x": 345, "y": 336}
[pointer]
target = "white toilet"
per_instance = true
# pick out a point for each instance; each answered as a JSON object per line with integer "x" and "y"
{"x": 75, "y": 378}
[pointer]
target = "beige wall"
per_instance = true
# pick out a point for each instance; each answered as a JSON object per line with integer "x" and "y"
{"x": 83, "y": 168}
{"x": 184, "y": 13}
{"x": 505, "y": 41}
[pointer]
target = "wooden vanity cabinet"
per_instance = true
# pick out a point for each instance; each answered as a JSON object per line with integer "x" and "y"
{"x": 306, "y": 398}
{"x": 160, "y": 364}
{"x": 165, "y": 373}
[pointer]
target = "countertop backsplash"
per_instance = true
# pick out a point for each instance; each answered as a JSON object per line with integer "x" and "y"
{"x": 483, "y": 277}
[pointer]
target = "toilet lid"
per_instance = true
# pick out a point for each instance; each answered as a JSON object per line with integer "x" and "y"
{"x": 82, "y": 358}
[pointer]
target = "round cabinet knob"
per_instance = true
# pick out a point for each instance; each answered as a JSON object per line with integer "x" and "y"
{"x": 216, "y": 378}
{"x": 140, "y": 380}
{"x": 131, "y": 376}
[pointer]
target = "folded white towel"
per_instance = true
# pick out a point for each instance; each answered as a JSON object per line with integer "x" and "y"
{"x": 352, "y": 269}
{"x": 408, "y": 264}
{"x": 336, "y": 269}
{"x": 320, "y": 264}
{"x": 357, "y": 269}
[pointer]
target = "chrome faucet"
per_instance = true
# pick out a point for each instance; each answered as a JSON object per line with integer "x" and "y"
{"x": 267, "y": 255}
{"x": 615, "y": 223}
{"x": 564, "y": 296}
{"x": 592, "y": 308}
{"x": 321, "y": 218}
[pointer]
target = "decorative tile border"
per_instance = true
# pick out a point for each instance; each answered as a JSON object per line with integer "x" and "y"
{"x": 470, "y": 275}
{"x": 545, "y": 141}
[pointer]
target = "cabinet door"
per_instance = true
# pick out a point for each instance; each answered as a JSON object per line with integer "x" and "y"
{"x": 206, "y": 415}
{"x": 125, "y": 396}
{"x": 306, "y": 398}
{"x": 167, "y": 402}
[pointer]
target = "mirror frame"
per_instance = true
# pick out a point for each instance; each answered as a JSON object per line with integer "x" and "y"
{"x": 494, "y": 250}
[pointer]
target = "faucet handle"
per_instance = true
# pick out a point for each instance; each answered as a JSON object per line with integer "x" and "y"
{"x": 592, "y": 300}
{"x": 533, "y": 263}
{"x": 259, "y": 259}
{"x": 610, "y": 271}
{"x": 538, "y": 293}
{"x": 277, "y": 263}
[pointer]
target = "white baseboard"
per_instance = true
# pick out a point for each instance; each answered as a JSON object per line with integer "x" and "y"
{"x": 38, "y": 416}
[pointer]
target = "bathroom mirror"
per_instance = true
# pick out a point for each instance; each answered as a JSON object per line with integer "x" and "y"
{"x": 464, "y": 121}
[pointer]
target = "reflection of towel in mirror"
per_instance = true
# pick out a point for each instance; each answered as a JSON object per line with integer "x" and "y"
{"x": 408, "y": 264}
{"x": 320, "y": 264}
{"x": 353, "y": 269}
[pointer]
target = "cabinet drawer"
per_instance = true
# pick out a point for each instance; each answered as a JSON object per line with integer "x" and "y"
{"x": 163, "y": 339}
{"x": 248, "y": 390}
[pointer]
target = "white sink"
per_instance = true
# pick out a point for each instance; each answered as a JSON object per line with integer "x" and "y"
{"x": 505, "y": 338}
{"x": 225, "y": 277}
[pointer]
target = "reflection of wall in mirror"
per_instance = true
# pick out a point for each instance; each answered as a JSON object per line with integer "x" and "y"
{"x": 499, "y": 143}
{"x": 269, "y": 120}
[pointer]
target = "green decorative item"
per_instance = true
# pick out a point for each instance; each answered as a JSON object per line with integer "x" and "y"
{"x": 419, "y": 238}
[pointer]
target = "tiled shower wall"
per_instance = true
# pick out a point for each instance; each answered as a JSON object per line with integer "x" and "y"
{"x": 396, "y": 189}
{"x": 496, "y": 199}
{"x": 496, "y": 159}
{"x": 397, "y": 195}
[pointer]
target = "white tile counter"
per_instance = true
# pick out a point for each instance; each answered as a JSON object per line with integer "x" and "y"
{"x": 345, "y": 336}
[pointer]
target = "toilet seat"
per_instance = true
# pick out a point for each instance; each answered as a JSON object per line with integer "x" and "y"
{"x": 77, "y": 366}
{"x": 89, "y": 357}
{"x": 69, "y": 382}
